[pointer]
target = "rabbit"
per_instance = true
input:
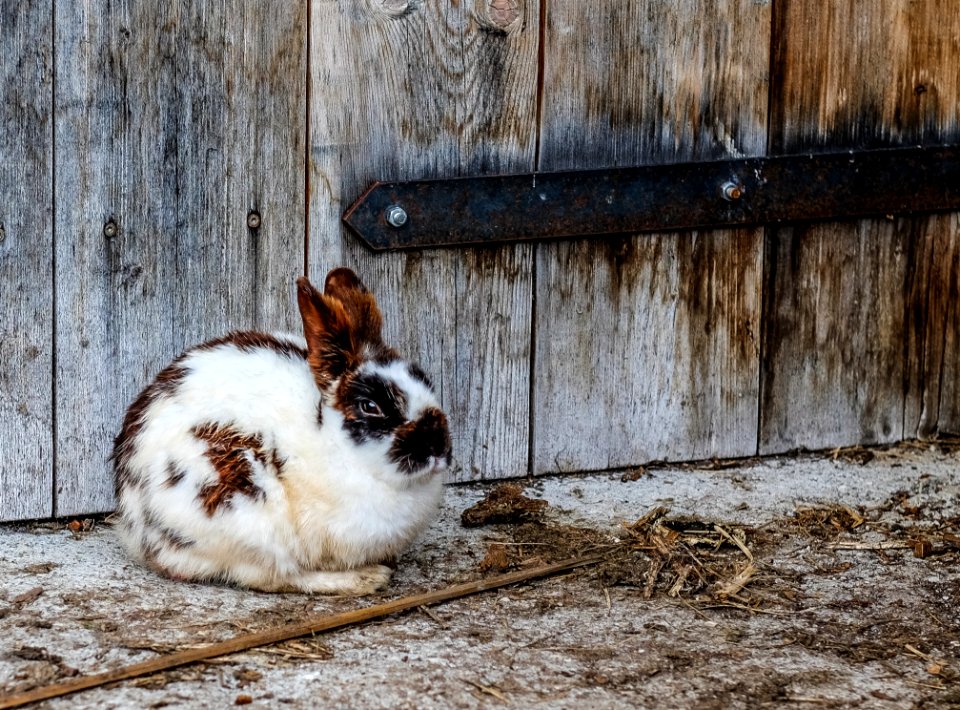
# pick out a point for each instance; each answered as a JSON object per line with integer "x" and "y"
{"x": 284, "y": 464}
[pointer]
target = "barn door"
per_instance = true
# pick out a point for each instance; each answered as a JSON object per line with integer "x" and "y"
{"x": 669, "y": 346}
{"x": 167, "y": 170}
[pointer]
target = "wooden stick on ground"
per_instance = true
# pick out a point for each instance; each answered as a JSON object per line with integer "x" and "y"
{"x": 285, "y": 633}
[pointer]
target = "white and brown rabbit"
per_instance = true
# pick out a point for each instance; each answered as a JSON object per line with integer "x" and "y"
{"x": 282, "y": 463}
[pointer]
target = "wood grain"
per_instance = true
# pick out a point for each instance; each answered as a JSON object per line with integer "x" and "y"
{"x": 419, "y": 89}
{"x": 949, "y": 414}
{"x": 931, "y": 318}
{"x": 855, "y": 314}
{"x": 173, "y": 122}
{"x": 26, "y": 265}
{"x": 833, "y": 336}
{"x": 647, "y": 348}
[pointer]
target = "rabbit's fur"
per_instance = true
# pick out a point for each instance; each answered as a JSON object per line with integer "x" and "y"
{"x": 282, "y": 463}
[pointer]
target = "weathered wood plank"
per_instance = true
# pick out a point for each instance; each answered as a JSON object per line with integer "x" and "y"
{"x": 647, "y": 348}
{"x": 854, "y": 314}
{"x": 26, "y": 265}
{"x": 403, "y": 89}
{"x": 930, "y": 314}
{"x": 950, "y": 383}
{"x": 173, "y": 122}
{"x": 833, "y": 332}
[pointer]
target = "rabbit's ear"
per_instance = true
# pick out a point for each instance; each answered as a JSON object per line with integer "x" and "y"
{"x": 332, "y": 345}
{"x": 361, "y": 307}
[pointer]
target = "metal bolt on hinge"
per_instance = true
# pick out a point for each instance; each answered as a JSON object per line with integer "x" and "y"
{"x": 731, "y": 191}
{"x": 396, "y": 216}
{"x": 110, "y": 229}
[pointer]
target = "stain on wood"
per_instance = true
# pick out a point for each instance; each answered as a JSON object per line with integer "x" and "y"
{"x": 173, "y": 122}
{"x": 647, "y": 347}
{"x": 27, "y": 293}
{"x": 850, "y": 75}
{"x": 855, "y": 314}
{"x": 433, "y": 91}
{"x": 833, "y": 331}
{"x": 930, "y": 296}
{"x": 950, "y": 381}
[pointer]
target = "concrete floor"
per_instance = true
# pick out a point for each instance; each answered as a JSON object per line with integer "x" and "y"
{"x": 817, "y": 627}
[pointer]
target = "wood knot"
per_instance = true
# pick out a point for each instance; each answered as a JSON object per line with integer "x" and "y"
{"x": 501, "y": 15}
{"x": 392, "y": 9}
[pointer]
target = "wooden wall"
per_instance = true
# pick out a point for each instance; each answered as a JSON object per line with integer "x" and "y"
{"x": 169, "y": 122}
{"x": 138, "y": 139}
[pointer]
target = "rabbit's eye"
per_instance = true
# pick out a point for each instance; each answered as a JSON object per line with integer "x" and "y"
{"x": 370, "y": 408}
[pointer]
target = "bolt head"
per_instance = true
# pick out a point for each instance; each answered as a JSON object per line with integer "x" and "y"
{"x": 731, "y": 191}
{"x": 110, "y": 229}
{"x": 253, "y": 220}
{"x": 396, "y": 216}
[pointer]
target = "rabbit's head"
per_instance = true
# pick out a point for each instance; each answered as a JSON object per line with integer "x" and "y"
{"x": 387, "y": 404}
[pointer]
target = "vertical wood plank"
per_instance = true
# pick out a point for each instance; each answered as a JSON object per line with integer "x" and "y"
{"x": 406, "y": 89}
{"x": 173, "y": 121}
{"x": 26, "y": 239}
{"x": 833, "y": 363}
{"x": 647, "y": 348}
{"x": 932, "y": 271}
{"x": 855, "y": 314}
{"x": 949, "y": 414}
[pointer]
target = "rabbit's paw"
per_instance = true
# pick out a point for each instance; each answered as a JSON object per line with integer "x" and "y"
{"x": 352, "y": 582}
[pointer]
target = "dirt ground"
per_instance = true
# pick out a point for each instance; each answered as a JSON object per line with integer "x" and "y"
{"x": 825, "y": 580}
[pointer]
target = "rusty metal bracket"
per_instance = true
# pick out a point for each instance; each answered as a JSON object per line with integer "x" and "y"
{"x": 591, "y": 203}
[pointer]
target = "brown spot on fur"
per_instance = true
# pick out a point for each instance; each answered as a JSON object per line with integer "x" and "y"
{"x": 249, "y": 340}
{"x": 156, "y": 537}
{"x": 173, "y": 539}
{"x": 229, "y": 452}
{"x": 175, "y": 474}
{"x": 278, "y": 462}
{"x": 164, "y": 385}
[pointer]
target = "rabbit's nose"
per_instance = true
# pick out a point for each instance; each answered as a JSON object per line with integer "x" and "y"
{"x": 422, "y": 442}
{"x": 433, "y": 425}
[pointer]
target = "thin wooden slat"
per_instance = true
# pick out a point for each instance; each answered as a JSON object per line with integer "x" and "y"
{"x": 26, "y": 237}
{"x": 174, "y": 121}
{"x": 404, "y": 90}
{"x": 932, "y": 270}
{"x": 855, "y": 314}
{"x": 950, "y": 382}
{"x": 648, "y": 348}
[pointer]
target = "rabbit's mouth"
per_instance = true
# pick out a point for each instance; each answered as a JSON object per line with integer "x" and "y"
{"x": 428, "y": 468}
{"x": 436, "y": 464}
